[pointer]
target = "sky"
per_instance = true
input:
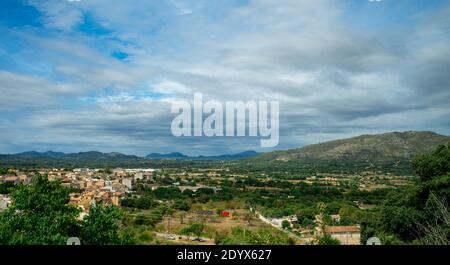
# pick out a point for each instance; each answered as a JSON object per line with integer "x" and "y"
{"x": 81, "y": 75}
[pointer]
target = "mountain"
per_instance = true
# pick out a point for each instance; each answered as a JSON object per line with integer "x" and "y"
{"x": 386, "y": 147}
{"x": 95, "y": 155}
{"x": 180, "y": 156}
{"x": 391, "y": 151}
{"x": 242, "y": 155}
{"x": 80, "y": 155}
{"x": 41, "y": 154}
{"x": 175, "y": 155}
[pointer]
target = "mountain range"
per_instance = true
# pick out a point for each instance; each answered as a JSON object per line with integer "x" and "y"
{"x": 176, "y": 155}
{"x": 95, "y": 155}
{"x": 386, "y": 148}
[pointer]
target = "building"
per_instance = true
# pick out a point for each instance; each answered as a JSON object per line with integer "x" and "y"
{"x": 127, "y": 182}
{"x": 347, "y": 235}
{"x": 12, "y": 179}
{"x": 115, "y": 198}
{"x": 5, "y": 201}
{"x": 24, "y": 179}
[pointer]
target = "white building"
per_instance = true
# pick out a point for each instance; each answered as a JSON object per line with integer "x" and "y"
{"x": 127, "y": 182}
{"x": 5, "y": 201}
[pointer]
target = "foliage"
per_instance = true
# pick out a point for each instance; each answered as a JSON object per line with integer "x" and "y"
{"x": 195, "y": 228}
{"x": 6, "y": 188}
{"x": 240, "y": 236}
{"x": 327, "y": 240}
{"x": 40, "y": 214}
{"x": 101, "y": 226}
{"x": 143, "y": 203}
{"x": 431, "y": 165}
{"x": 285, "y": 224}
{"x": 406, "y": 214}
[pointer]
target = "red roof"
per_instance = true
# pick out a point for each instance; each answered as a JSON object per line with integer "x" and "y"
{"x": 225, "y": 214}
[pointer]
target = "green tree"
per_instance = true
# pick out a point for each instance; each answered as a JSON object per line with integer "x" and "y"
{"x": 39, "y": 214}
{"x": 431, "y": 165}
{"x": 285, "y": 224}
{"x": 181, "y": 205}
{"x": 327, "y": 240}
{"x": 194, "y": 229}
{"x": 6, "y": 188}
{"x": 101, "y": 227}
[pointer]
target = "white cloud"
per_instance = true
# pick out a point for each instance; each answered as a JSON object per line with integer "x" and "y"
{"x": 331, "y": 79}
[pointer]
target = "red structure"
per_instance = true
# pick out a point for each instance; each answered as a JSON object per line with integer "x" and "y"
{"x": 225, "y": 214}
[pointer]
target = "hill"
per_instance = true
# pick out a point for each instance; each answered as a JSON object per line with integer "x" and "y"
{"x": 386, "y": 147}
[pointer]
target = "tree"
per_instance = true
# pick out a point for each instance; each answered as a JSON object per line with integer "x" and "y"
{"x": 145, "y": 202}
{"x": 195, "y": 229}
{"x": 285, "y": 224}
{"x": 6, "y": 188}
{"x": 436, "y": 231}
{"x": 39, "y": 214}
{"x": 181, "y": 205}
{"x": 182, "y": 215}
{"x": 431, "y": 165}
{"x": 266, "y": 236}
{"x": 101, "y": 227}
{"x": 327, "y": 239}
{"x": 249, "y": 217}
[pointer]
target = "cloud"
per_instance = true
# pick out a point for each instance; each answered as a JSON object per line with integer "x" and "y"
{"x": 61, "y": 15}
{"x": 24, "y": 91}
{"x": 332, "y": 77}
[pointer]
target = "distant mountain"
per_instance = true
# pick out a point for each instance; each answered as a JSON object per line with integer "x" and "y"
{"x": 392, "y": 146}
{"x": 95, "y": 155}
{"x": 180, "y": 156}
{"x": 91, "y": 155}
{"x": 242, "y": 155}
{"x": 41, "y": 154}
{"x": 392, "y": 151}
{"x": 175, "y": 155}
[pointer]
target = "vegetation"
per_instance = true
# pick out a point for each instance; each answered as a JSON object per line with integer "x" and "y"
{"x": 419, "y": 213}
{"x": 41, "y": 214}
{"x": 240, "y": 236}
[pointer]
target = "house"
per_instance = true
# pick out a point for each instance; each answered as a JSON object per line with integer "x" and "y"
{"x": 127, "y": 182}
{"x": 347, "y": 235}
{"x": 12, "y": 179}
{"x": 138, "y": 176}
{"x": 5, "y": 201}
{"x": 24, "y": 179}
{"x": 115, "y": 198}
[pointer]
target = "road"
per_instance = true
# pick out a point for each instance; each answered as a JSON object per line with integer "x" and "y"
{"x": 267, "y": 221}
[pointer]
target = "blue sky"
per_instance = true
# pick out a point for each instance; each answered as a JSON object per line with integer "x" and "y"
{"x": 79, "y": 75}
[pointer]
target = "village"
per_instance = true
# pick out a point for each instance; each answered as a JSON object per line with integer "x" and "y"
{"x": 112, "y": 186}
